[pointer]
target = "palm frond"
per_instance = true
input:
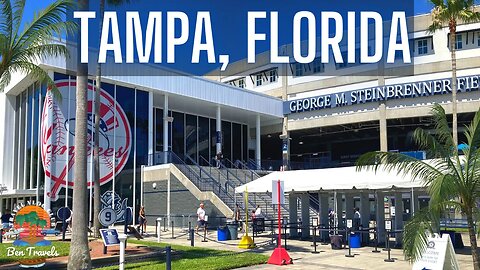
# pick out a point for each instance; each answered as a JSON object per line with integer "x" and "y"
{"x": 49, "y": 22}
{"x": 442, "y": 127}
{"x": 416, "y": 233}
{"x": 6, "y": 18}
{"x": 18, "y": 8}
{"x": 401, "y": 164}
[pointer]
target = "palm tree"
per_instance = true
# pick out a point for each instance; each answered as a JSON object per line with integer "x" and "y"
{"x": 79, "y": 252}
{"x": 450, "y": 13}
{"x": 96, "y": 160}
{"x": 451, "y": 180}
{"x": 21, "y": 50}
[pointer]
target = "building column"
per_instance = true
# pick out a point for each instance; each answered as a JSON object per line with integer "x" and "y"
{"x": 323, "y": 213}
{"x": 258, "y": 150}
{"x": 218, "y": 129}
{"x": 380, "y": 216}
{"x": 365, "y": 214}
{"x": 305, "y": 215}
{"x": 382, "y": 109}
{"x": 398, "y": 217}
{"x": 165, "y": 129}
{"x": 365, "y": 209}
{"x": 151, "y": 150}
{"x": 349, "y": 205}
{"x": 383, "y": 127}
{"x": 293, "y": 215}
{"x": 414, "y": 202}
{"x": 338, "y": 211}
{"x": 165, "y": 150}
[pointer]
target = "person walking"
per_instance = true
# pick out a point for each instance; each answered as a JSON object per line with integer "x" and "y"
{"x": 142, "y": 220}
{"x": 201, "y": 222}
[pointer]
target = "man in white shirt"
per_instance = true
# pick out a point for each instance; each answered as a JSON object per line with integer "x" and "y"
{"x": 201, "y": 218}
{"x": 258, "y": 212}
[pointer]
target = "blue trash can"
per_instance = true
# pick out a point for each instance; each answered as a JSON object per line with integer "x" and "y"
{"x": 222, "y": 233}
{"x": 355, "y": 241}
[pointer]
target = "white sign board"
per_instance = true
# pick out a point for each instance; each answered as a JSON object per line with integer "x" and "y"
{"x": 388, "y": 225}
{"x": 349, "y": 223}
{"x": 438, "y": 255}
{"x": 392, "y": 211}
{"x": 275, "y": 192}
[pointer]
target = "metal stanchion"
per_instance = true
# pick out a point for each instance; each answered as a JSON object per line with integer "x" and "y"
{"x": 389, "y": 259}
{"x": 349, "y": 255}
{"x": 164, "y": 224}
{"x": 168, "y": 259}
{"x": 192, "y": 237}
{"x": 204, "y": 233}
{"x": 376, "y": 242}
{"x": 388, "y": 228}
{"x": 189, "y": 228}
{"x": 285, "y": 232}
{"x": 1, "y": 236}
{"x": 173, "y": 236}
{"x": 315, "y": 241}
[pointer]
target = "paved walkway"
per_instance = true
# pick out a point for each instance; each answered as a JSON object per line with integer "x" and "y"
{"x": 301, "y": 253}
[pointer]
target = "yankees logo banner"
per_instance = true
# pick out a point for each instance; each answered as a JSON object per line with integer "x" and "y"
{"x": 58, "y": 136}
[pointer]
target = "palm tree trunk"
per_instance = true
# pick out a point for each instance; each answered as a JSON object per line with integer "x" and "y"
{"x": 473, "y": 241}
{"x": 79, "y": 252}
{"x": 453, "y": 39}
{"x": 96, "y": 139}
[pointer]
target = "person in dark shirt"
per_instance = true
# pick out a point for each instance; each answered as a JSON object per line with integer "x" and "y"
{"x": 6, "y": 224}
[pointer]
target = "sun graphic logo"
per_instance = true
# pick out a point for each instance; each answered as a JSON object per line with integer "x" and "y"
{"x": 32, "y": 223}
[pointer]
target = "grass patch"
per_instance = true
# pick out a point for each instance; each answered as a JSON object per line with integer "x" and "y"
{"x": 62, "y": 248}
{"x": 189, "y": 258}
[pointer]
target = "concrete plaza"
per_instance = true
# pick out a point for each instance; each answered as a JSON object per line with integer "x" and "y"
{"x": 303, "y": 258}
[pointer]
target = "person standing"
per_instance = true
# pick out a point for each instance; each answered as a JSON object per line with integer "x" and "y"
{"x": 142, "y": 220}
{"x": 6, "y": 224}
{"x": 237, "y": 217}
{"x": 357, "y": 219}
{"x": 201, "y": 218}
{"x": 258, "y": 212}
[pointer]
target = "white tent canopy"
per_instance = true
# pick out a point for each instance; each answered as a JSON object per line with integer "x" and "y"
{"x": 346, "y": 178}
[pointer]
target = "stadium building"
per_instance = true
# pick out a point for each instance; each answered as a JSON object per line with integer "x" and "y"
{"x": 260, "y": 117}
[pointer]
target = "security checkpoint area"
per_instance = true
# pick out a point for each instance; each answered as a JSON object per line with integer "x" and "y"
{"x": 354, "y": 221}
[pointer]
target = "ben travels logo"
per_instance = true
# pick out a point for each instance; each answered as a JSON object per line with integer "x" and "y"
{"x": 32, "y": 223}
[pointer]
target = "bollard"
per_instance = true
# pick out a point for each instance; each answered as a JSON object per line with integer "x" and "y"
{"x": 158, "y": 224}
{"x": 64, "y": 227}
{"x": 315, "y": 240}
{"x": 173, "y": 237}
{"x": 204, "y": 233}
{"x": 168, "y": 259}
{"x": 376, "y": 242}
{"x": 164, "y": 224}
{"x": 123, "y": 241}
{"x": 389, "y": 259}
{"x": 285, "y": 241}
{"x": 192, "y": 237}
{"x": 1, "y": 236}
{"x": 349, "y": 255}
{"x": 189, "y": 228}
{"x": 158, "y": 228}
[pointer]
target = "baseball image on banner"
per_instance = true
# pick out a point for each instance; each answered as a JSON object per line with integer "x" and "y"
{"x": 58, "y": 137}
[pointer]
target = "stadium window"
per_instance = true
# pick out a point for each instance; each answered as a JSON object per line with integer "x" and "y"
{"x": 259, "y": 80}
{"x": 273, "y": 75}
{"x": 241, "y": 83}
{"x": 422, "y": 46}
{"x": 459, "y": 43}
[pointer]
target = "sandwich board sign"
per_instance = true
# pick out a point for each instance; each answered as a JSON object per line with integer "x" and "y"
{"x": 438, "y": 255}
